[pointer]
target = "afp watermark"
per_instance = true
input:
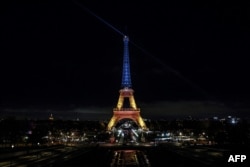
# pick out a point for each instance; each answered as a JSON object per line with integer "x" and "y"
{"x": 237, "y": 158}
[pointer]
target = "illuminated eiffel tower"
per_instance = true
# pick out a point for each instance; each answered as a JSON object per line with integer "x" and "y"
{"x": 131, "y": 112}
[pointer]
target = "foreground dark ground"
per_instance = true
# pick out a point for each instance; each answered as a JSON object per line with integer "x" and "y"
{"x": 163, "y": 155}
{"x": 96, "y": 155}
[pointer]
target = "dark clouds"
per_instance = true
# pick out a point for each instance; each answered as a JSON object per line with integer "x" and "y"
{"x": 160, "y": 110}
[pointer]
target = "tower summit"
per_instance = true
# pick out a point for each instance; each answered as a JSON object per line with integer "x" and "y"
{"x": 126, "y": 78}
{"x": 126, "y": 92}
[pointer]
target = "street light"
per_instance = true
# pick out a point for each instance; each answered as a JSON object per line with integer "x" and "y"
{"x": 12, "y": 148}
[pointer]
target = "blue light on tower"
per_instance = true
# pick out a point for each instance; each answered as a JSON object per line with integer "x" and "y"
{"x": 126, "y": 78}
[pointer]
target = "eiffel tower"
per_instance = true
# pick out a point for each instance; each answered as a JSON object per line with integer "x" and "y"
{"x": 126, "y": 92}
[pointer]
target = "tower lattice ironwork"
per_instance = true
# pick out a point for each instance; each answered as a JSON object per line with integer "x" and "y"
{"x": 126, "y": 92}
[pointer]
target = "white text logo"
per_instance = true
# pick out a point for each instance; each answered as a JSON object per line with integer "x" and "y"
{"x": 237, "y": 158}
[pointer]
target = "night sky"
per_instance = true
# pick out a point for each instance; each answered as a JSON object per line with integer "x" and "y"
{"x": 67, "y": 55}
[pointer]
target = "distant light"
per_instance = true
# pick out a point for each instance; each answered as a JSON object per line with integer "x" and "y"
{"x": 29, "y": 132}
{"x": 233, "y": 121}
